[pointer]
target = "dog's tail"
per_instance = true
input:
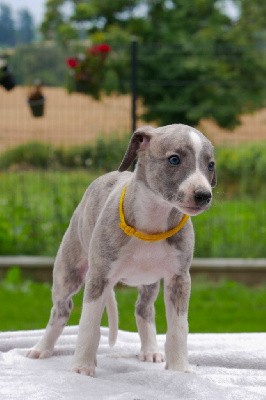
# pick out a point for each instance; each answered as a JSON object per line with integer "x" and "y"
{"x": 112, "y": 313}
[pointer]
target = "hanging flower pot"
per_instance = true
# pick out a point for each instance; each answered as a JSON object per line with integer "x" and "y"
{"x": 7, "y": 80}
{"x": 86, "y": 71}
{"x": 37, "y": 107}
{"x": 36, "y": 100}
{"x": 87, "y": 85}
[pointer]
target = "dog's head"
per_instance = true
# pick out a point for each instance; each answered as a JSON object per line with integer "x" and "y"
{"x": 176, "y": 162}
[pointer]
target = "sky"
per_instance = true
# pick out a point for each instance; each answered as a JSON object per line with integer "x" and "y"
{"x": 36, "y": 7}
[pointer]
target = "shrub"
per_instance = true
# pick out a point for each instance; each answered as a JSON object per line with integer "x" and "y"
{"x": 105, "y": 154}
{"x": 33, "y": 154}
{"x": 243, "y": 166}
{"x": 73, "y": 157}
{"x": 240, "y": 169}
{"x": 108, "y": 153}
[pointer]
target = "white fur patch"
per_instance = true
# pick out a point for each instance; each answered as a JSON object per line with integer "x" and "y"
{"x": 151, "y": 212}
{"x": 197, "y": 178}
{"x": 197, "y": 142}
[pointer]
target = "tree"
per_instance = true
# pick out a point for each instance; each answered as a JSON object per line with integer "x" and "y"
{"x": 25, "y": 29}
{"x": 198, "y": 64}
{"x": 194, "y": 60}
{"x": 7, "y": 27}
{"x": 91, "y": 15}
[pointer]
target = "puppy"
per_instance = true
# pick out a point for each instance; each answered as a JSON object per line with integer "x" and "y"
{"x": 135, "y": 228}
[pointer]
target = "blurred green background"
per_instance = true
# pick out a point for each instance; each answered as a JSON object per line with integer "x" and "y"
{"x": 201, "y": 63}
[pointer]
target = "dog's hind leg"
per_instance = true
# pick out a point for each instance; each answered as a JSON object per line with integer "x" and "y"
{"x": 145, "y": 318}
{"x": 176, "y": 295}
{"x": 67, "y": 281}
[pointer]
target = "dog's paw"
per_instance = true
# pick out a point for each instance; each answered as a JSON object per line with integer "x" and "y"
{"x": 155, "y": 357}
{"x": 35, "y": 353}
{"x": 88, "y": 370}
{"x": 180, "y": 367}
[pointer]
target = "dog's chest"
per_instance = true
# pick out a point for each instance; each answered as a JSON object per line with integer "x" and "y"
{"x": 145, "y": 263}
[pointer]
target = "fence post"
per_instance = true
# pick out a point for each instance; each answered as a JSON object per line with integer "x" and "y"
{"x": 134, "y": 89}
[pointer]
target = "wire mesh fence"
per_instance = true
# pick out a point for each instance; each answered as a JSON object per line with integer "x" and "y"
{"x": 35, "y": 206}
{"x": 68, "y": 120}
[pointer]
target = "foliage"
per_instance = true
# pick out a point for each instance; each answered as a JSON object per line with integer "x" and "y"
{"x": 187, "y": 70}
{"x": 86, "y": 71}
{"x": 45, "y": 62}
{"x": 201, "y": 68}
{"x": 36, "y": 208}
{"x": 32, "y": 154}
{"x": 214, "y": 307}
{"x": 105, "y": 154}
{"x": 235, "y": 165}
{"x": 57, "y": 25}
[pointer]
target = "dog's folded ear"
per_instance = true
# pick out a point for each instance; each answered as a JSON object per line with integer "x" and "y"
{"x": 139, "y": 141}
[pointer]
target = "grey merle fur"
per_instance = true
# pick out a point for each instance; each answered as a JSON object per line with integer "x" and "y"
{"x": 96, "y": 252}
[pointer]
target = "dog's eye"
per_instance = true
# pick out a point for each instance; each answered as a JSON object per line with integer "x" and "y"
{"x": 174, "y": 160}
{"x": 211, "y": 166}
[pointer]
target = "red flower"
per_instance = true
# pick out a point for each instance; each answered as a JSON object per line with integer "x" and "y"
{"x": 72, "y": 62}
{"x": 100, "y": 49}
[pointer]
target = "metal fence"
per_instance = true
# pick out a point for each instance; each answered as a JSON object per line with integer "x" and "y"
{"x": 31, "y": 202}
{"x": 68, "y": 119}
{"x": 78, "y": 119}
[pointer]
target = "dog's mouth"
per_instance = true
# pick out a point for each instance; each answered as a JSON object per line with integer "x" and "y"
{"x": 193, "y": 210}
{"x": 189, "y": 207}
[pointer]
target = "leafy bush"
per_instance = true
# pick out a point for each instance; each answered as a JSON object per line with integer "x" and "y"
{"x": 240, "y": 169}
{"x": 244, "y": 166}
{"x": 45, "y": 62}
{"x": 32, "y": 154}
{"x": 105, "y": 154}
{"x": 73, "y": 157}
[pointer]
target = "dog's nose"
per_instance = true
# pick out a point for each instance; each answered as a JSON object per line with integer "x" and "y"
{"x": 202, "y": 197}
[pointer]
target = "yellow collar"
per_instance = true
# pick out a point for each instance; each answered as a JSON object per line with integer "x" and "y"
{"x": 130, "y": 231}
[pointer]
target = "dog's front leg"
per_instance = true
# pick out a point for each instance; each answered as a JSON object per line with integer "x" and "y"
{"x": 95, "y": 295}
{"x": 176, "y": 293}
{"x": 145, "y": 318}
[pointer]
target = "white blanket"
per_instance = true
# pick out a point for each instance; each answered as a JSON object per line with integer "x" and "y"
{"x": 224, "y": 366}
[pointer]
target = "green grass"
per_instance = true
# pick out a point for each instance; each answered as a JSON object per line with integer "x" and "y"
{"x": 35, "y": 209}
{"x": 232, "y": 228}
{"x": 214, "y": 307}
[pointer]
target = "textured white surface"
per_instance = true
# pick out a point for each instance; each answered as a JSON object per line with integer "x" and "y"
{"x": 224, "y": 367}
